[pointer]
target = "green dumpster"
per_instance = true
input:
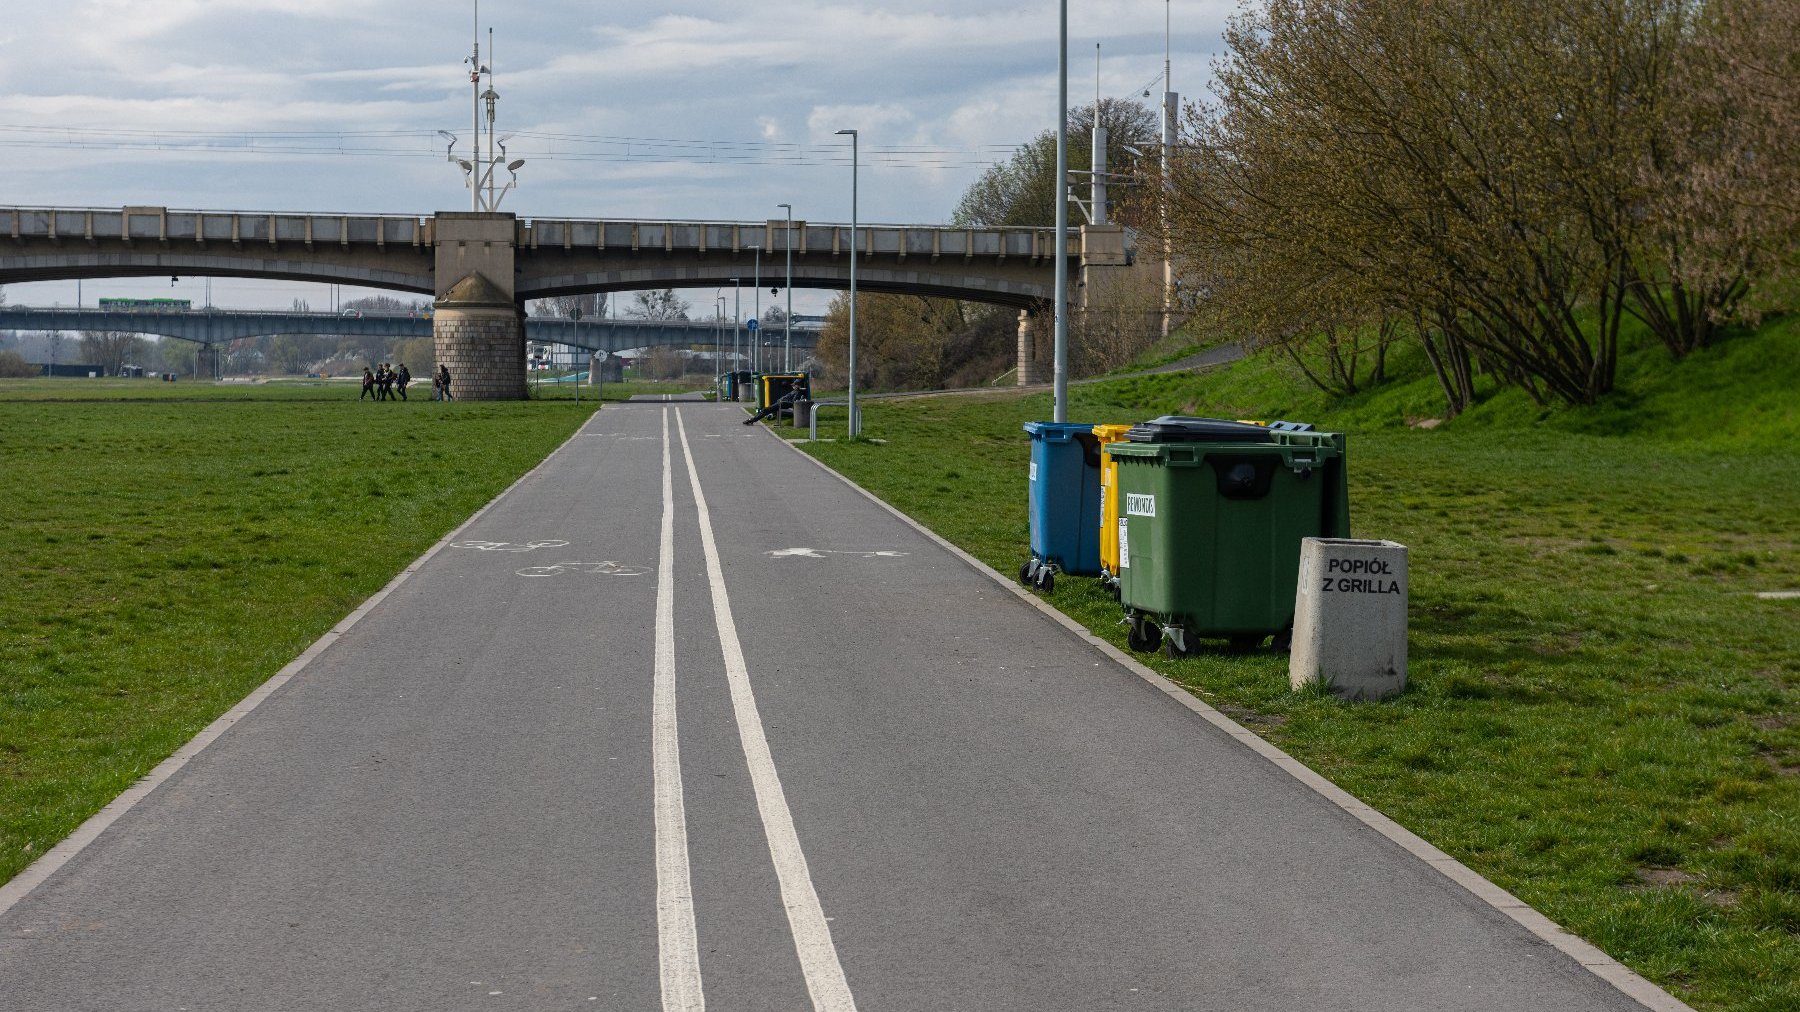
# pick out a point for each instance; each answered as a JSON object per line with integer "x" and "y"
{"x": 1211, "y": 514}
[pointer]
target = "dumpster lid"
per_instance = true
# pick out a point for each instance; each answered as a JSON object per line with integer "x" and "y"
{"x": 1183, "y": 429}
{"x": 1058, "y": 432}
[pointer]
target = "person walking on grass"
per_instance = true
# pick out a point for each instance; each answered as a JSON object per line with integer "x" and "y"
{"x": 444, "y": 381}
{"x": 368, "y": 387}
{"x": 402, "y": 378}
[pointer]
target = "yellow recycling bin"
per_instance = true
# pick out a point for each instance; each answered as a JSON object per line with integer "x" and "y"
{"x": 1109, "y": 503}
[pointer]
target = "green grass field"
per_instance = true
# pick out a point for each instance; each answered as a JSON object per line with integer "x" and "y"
{"x": 171, "y": 546}
{"x": 1603, "y": 717}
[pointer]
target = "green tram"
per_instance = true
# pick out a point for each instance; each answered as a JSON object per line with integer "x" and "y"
{"x": 147, "y": 305}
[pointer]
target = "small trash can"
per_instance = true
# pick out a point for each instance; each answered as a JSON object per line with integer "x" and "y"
{"x": 1212, "y": 516}
{"x": 740, "y": 383}
{"x": 1106, "y": 435}
{"x": 775, "y": 386}
{"x": 1063, "y": 497}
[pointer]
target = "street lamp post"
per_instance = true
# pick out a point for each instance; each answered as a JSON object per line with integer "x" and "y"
{"x": 718, "y": 338}
{"x": 576, "y": 313}
{"x": 1060, "y": 412}
{"x": 787, "y": 325}
{"x": 756, "y": 285}
{"x": 737, "y": 318}
{"x": 855, "y": 420}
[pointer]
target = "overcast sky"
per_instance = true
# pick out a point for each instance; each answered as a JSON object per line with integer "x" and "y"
{"x": 717, "y": 110}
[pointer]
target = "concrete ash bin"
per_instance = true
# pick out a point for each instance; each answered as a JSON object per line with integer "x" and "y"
{"x": 1350, "y": 617}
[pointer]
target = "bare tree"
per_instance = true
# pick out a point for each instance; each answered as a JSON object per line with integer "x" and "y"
{"x": 1022, "y": 189}
{"x": 592, "y": 306}
{"x": 111, "y": 349}
{"x": 654, "y": 305}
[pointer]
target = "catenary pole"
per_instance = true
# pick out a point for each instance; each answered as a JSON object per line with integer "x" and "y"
{"x": 855, "y": 422}
{"x": 787, "y": 327}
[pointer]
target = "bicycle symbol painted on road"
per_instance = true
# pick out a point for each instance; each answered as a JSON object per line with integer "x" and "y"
{"x": 509, "y": 546}
{"x": 595, "y": 568}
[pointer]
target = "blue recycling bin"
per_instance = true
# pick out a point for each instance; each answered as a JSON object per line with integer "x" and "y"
{"x": 1064, "y": 499}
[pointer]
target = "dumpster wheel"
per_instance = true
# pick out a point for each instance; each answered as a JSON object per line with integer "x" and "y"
{"x": 1143, "y": 635}
{"x": 1174, "y": 639}
{"x": 1046, "y": 579}
{"x": 1284, "y": 640}
{"x": 1243, "y": 643}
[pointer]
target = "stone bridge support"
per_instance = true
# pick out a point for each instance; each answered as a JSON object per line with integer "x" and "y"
{"x": 478, "y": 324}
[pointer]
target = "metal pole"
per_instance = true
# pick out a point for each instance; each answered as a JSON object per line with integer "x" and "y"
{"x": 855, "y": 419}
{"x": 1171, "y": 107}
{"x": 756, "y": 283}
{"x": 490, "y": 91}
{"x": 787, "y": 327}
{"x": 737, "y": 319}
{"x": 475, "y": 143}
{"x": 1097, "y": 163}
{"x": 1061, "y": 375}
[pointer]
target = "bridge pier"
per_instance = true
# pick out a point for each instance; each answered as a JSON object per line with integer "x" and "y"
{"x": 477, "y": 333}
{"x": 1026, "y": 373}
{"x": 477, "y": 324}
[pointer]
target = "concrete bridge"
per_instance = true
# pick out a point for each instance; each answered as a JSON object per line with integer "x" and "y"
{"x": 220, "y": 326}
{"x": 482, "y": 267}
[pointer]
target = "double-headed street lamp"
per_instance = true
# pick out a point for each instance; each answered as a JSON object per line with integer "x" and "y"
{"x": 855, "y": 420}
{"x": 787, "y": 329}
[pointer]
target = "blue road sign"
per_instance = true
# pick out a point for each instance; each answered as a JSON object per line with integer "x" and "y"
{"x": 751, "y": 324}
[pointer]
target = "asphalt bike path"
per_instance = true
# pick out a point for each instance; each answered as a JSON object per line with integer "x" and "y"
{"x": 682, "y": 722}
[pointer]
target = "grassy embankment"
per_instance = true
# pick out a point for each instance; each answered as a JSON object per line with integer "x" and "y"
{"x": 170, "y": 546}
{"x": 1603, "y": 717}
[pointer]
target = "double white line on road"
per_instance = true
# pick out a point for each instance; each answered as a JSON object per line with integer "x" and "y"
{"x": 675, "y": 908}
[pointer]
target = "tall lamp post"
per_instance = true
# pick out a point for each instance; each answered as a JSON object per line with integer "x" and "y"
{"x": 855, "y": 420}
{"x": 737, "y": 319}
{"x": 787, "y": 326}
{"x": 1061, "y": 375}
{"x": 756, "y": 287}
{"x": 718, "y": 338}
{"x": 576, "y": 314}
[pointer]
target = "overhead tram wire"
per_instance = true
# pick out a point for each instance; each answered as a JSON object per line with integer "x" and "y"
{"x": 563, "y": 146}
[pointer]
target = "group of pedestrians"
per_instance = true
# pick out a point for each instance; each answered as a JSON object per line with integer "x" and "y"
{"x": 383, "y": 381}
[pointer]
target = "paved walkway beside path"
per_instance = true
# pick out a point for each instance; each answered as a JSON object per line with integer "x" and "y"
{"x": 684, "y": 721}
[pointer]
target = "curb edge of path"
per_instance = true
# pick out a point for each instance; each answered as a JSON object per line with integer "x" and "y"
{"x": 37, "y": 872}
{"x": 1627, "y": 981}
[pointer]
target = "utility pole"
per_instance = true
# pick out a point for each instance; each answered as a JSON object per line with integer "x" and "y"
{"x": 1060, "y": 381}
{"x": 1097, "y": 180}
{"x": 475, "y": 82}
{"x": 855, "y": 419}
{"x": 1171, "y": 107}
{"x": 787, "y": 327}
{"x": 756, "y": 283}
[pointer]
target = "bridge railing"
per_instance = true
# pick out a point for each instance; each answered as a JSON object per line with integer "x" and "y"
{"x": 163, "y": 225}
{"x": 775, "y": 237}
